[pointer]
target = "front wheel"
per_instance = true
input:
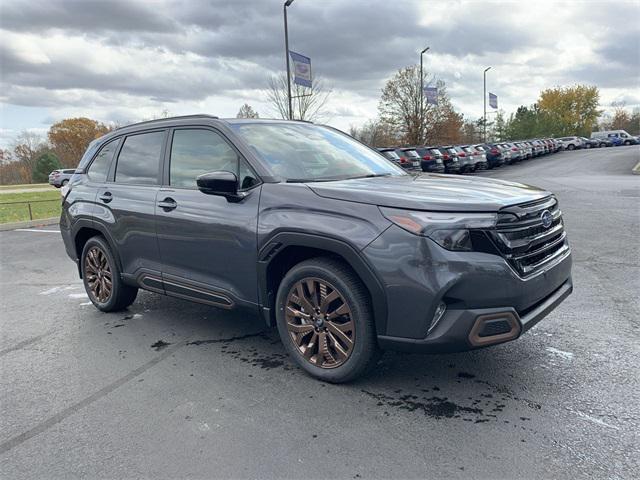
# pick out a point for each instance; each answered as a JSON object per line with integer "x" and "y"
{"x": 325, "y": 320}
{"x": 101, "y": 277}
{"x": 627, "y": 143}
{"x": 571, "y": 147}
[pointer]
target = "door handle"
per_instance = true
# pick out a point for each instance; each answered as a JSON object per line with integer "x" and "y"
{"x": 168, "y": 204}
{"x": 106, "y": 197}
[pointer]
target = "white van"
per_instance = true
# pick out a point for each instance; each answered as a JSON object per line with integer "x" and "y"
{"x": 625, "y": 138}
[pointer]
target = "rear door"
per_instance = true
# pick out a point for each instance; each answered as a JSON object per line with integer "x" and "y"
{"x": 126, "y": 205}
{"x": 208, "y": 244}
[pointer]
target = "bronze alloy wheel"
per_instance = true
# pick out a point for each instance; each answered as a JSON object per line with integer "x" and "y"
{"x": 320, "y": 323}
{"x": 98, "y": 273}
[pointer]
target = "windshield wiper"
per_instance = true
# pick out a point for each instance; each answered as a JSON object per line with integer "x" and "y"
{"x": 335, "y": 179}
{"x": 310, "y": 180}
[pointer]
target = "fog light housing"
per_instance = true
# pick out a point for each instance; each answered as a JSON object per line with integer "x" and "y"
{"x": 437, "y": 316}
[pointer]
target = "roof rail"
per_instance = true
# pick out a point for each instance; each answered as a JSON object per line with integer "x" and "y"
{"x": 197, "y": 115}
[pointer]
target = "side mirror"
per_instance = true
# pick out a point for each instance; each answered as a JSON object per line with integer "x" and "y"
{"x": 222, "y": 183}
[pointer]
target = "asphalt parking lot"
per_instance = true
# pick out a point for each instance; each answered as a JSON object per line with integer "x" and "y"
{"x": 171, "y": 389}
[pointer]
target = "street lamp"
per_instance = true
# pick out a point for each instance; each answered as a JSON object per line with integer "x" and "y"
{"x": 286, "y": 54}
{"x": 484, "y": 118}
{"x": 422, "y": 93}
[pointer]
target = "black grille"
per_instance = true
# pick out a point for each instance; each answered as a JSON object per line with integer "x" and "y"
{"x": 495, "y": 327}
{"x": 524, "y": 241}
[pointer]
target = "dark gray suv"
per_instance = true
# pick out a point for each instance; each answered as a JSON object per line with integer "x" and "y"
{"x": 345, "y": 252}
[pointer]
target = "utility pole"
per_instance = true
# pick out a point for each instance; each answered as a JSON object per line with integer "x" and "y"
{"x": 286, "y": 54}
{"x": 421, "y": 94}
{"x": 484, "y": 117}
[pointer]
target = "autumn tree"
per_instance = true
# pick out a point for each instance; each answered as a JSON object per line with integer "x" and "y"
{"x": 247, "y": 111}
{"x": 622, "y": 120}
{"x": 568, "y": 110}
{"x": 307, "y": 103}
{"x": 69, "y": 138}
{"x": 413, "y": 120}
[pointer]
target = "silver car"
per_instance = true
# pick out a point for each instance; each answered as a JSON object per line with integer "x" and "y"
{"x": 59, "y": 178}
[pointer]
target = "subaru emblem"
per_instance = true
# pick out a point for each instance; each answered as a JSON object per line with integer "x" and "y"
{"x": 547, "y": 219}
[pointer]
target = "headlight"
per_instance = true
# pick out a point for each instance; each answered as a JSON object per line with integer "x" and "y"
{"x": 449, "y": 230}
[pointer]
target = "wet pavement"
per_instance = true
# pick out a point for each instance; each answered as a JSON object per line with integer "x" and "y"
{"x": 171, "y": 389}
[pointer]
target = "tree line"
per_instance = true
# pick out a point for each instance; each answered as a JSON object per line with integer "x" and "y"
{"x": 33, "y": 156}
{"x": 404, "y": 118}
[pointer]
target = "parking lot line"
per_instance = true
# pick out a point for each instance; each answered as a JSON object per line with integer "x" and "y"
{"x": 35, "y": 230}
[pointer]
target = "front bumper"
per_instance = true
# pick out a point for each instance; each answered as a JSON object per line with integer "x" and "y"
{"x": 418, "y": 275}
{"x": 461, "y": 330}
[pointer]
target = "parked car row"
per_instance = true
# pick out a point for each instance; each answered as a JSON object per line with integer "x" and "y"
{"x": 607, "y": 138}
{"x": 468, "y": 158}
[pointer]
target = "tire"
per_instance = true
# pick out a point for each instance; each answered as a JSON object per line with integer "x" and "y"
{"x": 627, "y": 143}
{"x": 64, "y": 182}
{"x": 329, "y": 364}
{"x": 98, "y": 261}
{"x": 571, "y": 146}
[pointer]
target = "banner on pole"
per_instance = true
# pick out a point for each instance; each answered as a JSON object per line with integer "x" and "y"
{"x": 431, "y": 94}
{"x": 493, "y": 100}
{"x": 301, "y": 69}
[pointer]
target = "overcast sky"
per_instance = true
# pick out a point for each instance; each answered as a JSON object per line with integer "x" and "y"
{"x": 130, "y": 60}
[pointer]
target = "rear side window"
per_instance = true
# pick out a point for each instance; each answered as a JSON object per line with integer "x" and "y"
{"x": 194, "y": 152}
{"x": 100, "y": 165}
{"x": 139, "y": 159}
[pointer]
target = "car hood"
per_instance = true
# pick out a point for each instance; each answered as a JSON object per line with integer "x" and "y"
{"x": 431, "y": 192}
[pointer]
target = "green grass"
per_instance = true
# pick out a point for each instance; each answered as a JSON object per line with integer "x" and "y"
{"x": 20, "y": 212}
{"x": 25, "y": 186}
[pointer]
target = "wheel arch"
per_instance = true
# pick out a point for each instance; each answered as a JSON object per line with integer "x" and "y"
{"x": 285, "y": 250}
{"x": 83, "y": 231}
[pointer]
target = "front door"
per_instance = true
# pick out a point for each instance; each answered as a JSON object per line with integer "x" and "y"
{"x": 207, "y": 243}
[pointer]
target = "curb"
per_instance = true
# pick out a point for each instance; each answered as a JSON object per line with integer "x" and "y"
{"x": 636, "y": 169}
{"x": 31, "y": 223}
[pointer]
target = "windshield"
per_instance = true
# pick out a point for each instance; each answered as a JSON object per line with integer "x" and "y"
{"x": 305, "y": 152}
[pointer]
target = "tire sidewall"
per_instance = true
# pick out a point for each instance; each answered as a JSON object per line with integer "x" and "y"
{"x": 115, "y": 273}
{"x": 361, "y": 314}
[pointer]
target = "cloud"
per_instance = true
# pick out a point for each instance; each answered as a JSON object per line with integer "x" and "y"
{"x": 127, "y": 60}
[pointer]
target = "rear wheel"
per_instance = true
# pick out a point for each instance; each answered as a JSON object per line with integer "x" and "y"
{"x": 101, "y": 276}
{"x": 571, "y": 146}
{"x": 325, "y": 320}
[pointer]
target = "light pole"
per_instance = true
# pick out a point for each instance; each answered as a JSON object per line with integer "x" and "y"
{"x": 422, "y": 93}
{"x": 484, "y": 118}
{"x": 286, "y": 54}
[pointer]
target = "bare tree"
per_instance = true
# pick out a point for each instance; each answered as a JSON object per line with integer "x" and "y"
{"x": 375, "y": 133}
{"x": 247, "y": 111}
{"x": 26, "y": 148}
{"x": 308, "y": 103}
